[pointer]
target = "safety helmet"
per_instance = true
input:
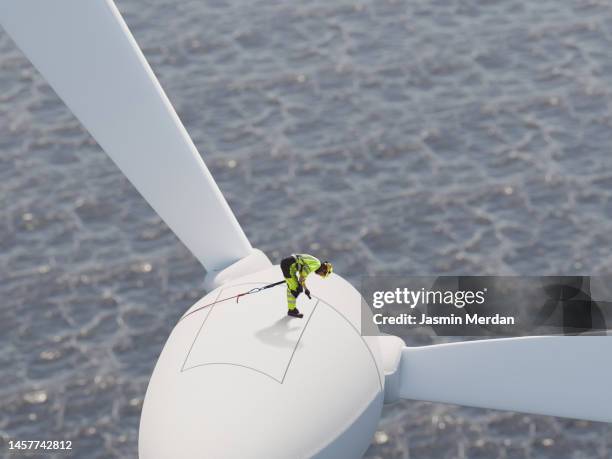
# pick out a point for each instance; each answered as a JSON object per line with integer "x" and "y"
{"x": 328, "y": 268}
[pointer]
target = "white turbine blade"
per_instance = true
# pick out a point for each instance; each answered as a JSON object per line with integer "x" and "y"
{"x": 85, "y": 51}
{"x": 558, "y": 376}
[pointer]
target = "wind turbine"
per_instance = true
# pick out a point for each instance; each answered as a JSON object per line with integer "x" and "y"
{"x": 240, "y": 379}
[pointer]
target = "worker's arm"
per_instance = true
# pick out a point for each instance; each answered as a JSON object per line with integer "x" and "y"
{"x": 303, "y": 284}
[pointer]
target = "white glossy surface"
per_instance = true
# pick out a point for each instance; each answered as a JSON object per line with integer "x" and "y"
{"x": 255, "y": 261}
{"x": 89, "y": 57}
{"x": 557, "y": 376}
{"x": 242, "y": 380}
{"x": 255, "y": 332}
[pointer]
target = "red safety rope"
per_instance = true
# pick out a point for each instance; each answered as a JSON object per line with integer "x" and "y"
{"x": 253, "y": 290}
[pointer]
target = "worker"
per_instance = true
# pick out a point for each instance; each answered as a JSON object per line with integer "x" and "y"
{"x": 295, "y": 270}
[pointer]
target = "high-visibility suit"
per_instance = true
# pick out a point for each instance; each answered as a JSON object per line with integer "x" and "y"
{"x": 295, "y": 270}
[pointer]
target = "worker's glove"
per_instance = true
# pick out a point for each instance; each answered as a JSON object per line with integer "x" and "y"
{"x": 307, "y": 292}
{"x": 299, "y": 289}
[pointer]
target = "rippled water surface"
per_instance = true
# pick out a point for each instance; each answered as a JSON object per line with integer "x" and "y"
{"x": 412, "y": 137}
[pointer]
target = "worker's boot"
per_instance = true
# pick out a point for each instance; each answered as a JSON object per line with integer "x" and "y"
{"x": 295, "y": 313}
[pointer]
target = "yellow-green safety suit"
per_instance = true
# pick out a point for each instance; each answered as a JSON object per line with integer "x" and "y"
{"x": 301, "y": 267}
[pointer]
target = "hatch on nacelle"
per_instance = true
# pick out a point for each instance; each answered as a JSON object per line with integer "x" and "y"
{"x": 254, "y": 333}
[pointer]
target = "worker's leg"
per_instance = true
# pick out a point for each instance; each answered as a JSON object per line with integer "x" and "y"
{"x": 290, "y": 300}
{"x": 292, "y": 287}
{"x": 291, "y": 281}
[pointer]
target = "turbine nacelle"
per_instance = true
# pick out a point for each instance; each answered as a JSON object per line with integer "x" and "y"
{"x": 244, "y": 380}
